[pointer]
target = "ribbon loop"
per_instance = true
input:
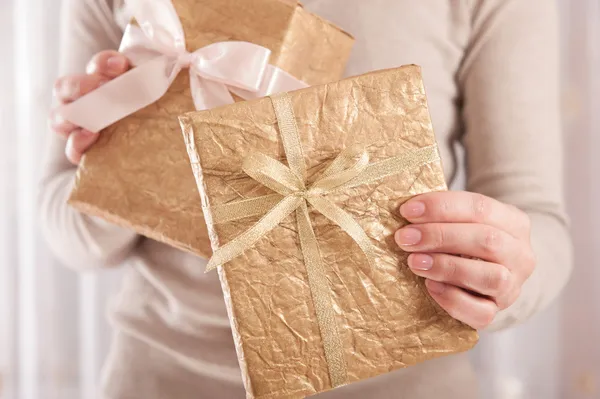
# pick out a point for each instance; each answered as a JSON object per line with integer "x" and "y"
{"x": 236, "y": 64}
{"x": 343, "y": 169}
{"x": 156, "y": 47}
{"x": 273, "y": 174}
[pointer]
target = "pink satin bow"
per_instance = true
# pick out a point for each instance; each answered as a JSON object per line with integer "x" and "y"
{"x": 156, "y": 47}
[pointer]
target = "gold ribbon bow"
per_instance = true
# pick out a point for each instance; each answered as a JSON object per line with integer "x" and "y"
{"x": 350, "y": 168}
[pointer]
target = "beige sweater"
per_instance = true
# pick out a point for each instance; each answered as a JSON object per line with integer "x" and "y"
{"x": 491, "y": 74}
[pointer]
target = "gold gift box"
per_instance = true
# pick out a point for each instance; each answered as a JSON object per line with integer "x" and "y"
{"x": 383, "y": 315}
{"x": 138, "y": 176}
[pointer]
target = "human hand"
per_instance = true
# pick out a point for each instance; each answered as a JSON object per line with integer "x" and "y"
{"x": 474, "y": 252}
{"x": 104, "y": 66}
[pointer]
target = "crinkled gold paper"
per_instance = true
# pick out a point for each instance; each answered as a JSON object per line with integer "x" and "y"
{"x": 138, "y": 174}
{"x": 387, "y": 320}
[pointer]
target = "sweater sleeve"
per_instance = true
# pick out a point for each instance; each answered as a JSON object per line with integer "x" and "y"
{"x": 81, "y": 242}
{"x": 510, "y": 86}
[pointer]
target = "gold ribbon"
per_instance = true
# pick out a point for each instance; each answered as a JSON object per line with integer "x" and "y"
{"x": 350, "y": 168}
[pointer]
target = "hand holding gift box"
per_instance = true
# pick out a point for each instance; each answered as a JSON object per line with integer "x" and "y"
{"x": 136, "y": 174}
{"x": 301, "y": 195}
{"x": 155, "y": 44}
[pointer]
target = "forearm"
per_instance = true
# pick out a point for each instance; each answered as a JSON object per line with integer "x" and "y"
{"x": 80, "y": 241}
{"x": 510, "y": 84}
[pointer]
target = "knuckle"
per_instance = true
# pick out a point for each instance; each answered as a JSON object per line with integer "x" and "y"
{"x": 496, "y": 281}
{"x": 482, "y": 208}
{"x": 95, "y": 63}
{"x": 444, "y": 206}
{"x": 439, "y": 234}
{"x": 491, "y": 241}
{"x": 449, "y": 266}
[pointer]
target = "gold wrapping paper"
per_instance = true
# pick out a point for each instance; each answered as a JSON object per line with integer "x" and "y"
{"x": 138, "y": 176}
{"x": 385, "y": 318}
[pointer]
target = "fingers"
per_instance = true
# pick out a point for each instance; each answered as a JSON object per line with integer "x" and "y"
{"x": 108, "y": 64}
{"x": 446, "y": 224}
{"x": 475, "y": 240}
{"x": 66, "y": 90}
{"x": 466, "y": 207}
{"x": 105, "y": 66}
{"x": 485, "y": 278}
{"x": 70, "y": 88}
{"x": 59, "y": 125}
{"x": 77, "y": 144}
{"x": 475, "y": 311}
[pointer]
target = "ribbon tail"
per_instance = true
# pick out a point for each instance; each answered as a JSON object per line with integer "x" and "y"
{"x": 122, "y": 96}
{"x": 411, "y": 159}
{"x": 288, "y": 130}
{"x": 208, "y": 94}
{"x": 340, "y": 217}
{"x": 321, "y": 295}
{"x": 251, "y": 236}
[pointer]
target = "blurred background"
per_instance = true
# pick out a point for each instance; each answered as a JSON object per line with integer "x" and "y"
{"x": 53, "y": 334}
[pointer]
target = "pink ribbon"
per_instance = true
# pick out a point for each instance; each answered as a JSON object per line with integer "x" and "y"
{"x": 157, "y": 50}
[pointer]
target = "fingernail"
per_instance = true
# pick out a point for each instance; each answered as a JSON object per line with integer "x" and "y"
{"x": 435, "y": 287}
{"x": 420, "y": 262}
{"x": 71, "y": 153}
{"x": 412, "y": 209}
{"x": 408, "y": 236}
{"x": 115, "y": 64}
